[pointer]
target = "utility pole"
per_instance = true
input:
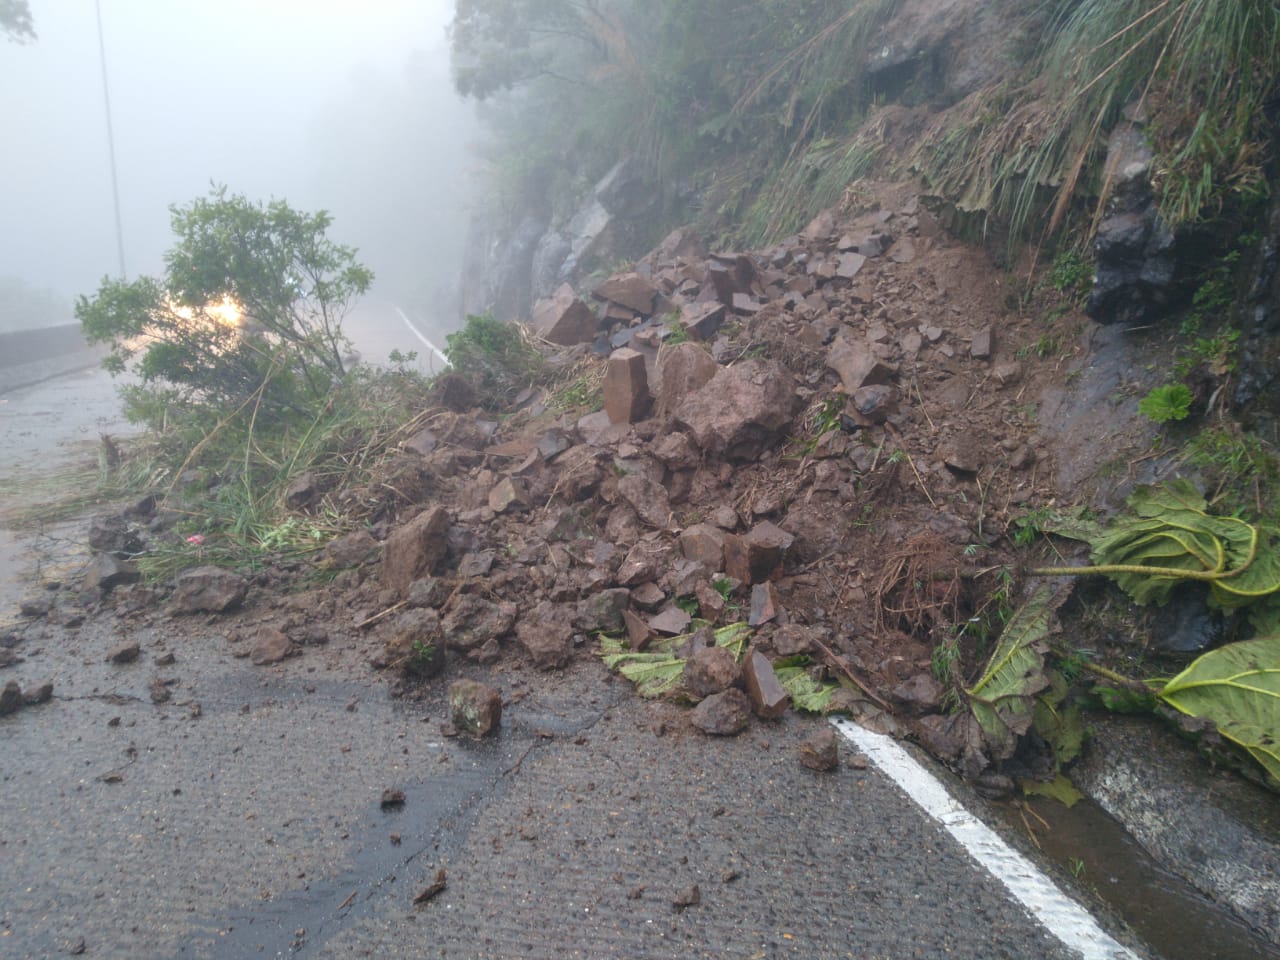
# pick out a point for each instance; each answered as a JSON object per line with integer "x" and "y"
{"x": 111, "y": 140}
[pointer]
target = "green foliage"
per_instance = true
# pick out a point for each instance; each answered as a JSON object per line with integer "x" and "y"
{"x": 806, "y": 693}
{"x": 496, "y": 357}
{"x": 248, "y": 314}
{"x": 1238, "y": 688}
{"x": 1170, "y": 402}
{"x": 1071, "y": 275}
{"x": 659, "y": 671}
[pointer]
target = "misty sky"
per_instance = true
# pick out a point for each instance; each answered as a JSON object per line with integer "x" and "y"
{"x": 325, "y": 103}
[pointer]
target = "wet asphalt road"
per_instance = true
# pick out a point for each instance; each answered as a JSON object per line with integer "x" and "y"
{"x": 242, "y": 818}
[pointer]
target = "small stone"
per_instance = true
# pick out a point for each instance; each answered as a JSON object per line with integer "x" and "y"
{"x": 10, "y": 697}
{"x": 40, "y": 693}
{"x": 124, "y": 652}
{"x": 688, "y": 897}
{"x": 159, "y": 690}
{"x": 980, "y": 345}
{"x": 474, "y": 708}
{"x": 821, "y": 751}
{"x": 765, "y": 604}
{"x": 106, "y": 572}
{"x": 209, "y": 589}
{"x": 271, "y": 646}
{"x": 510, "y": 495}
{"x": 392, "y": 799}
{"x": 671, "y": 621}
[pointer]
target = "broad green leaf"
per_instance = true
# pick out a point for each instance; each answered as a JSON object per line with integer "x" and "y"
{"x": 658, "y": 671}
{"x": 1003, "y": 699}
{"x": 1238, "y": 688}
{"x": 1060, "y": 788}
{"x": 806, "y": 693}
{"x": 1058, "y": 721}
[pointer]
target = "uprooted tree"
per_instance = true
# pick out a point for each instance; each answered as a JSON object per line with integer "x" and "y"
{"x": 248, "y": 314}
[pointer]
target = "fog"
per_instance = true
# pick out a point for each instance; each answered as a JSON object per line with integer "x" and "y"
{"x": 324, "y": 103}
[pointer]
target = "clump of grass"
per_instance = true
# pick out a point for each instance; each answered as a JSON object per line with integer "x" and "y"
{"x": 499, "y": 359}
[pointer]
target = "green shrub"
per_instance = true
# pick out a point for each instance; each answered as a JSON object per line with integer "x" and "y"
{"x": 1171, "y": 402}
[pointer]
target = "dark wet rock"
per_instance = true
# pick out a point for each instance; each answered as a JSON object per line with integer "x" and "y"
{"x": 723, "y": 714}
{"x": 546, "y": 633}
{"x": 919, "y": 694}
{"x": 352, "y": 549}
{"x": 672, "y": 621}
{"x": 821, "y": 750}
{"x": 1186, "y": 624}
{"x": 763, "y": 687}
{"x": 126, "y": 651}
{"x": 564, "y": 319}
{"x": 415, "y": 550}
{"x": 106, "y": 572}
{"x": 416, "y": 645}
{"x": 626, "y": 386}
{"x": 602, "y": 612}
{"x": 209, "y": 589}
{"x": 757, "y": 555}
{"x": 742, "y": 411}
{"x": 271, "y": 646}
{"x": 470, "y": 621}
{"x": 965, "y": 453}
{"x": 766, "y": 605}
{"x": 710, "y": 670}
{"x": 648, "y": 596}
{"x": 476, "y": 564}
{"x": 10, "y": 698}
{"x": 474, "y": 708}
{"x": 428, "y": 592}
{"x": 165, "y": 659}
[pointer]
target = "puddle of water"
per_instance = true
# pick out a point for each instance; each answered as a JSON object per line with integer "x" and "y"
{"x": 1106, "y": 862}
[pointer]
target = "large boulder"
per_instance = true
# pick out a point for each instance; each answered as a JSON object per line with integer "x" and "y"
{"x": 742, "y": 411}
{"x": 564, "y": 319}
{"x": 209, "y": 589}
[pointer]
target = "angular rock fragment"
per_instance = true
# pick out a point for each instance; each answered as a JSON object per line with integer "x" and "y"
{"x": 126, "y": 651}
{"x": 857, "y": 365}
{"x": 547, "y": 636}
{"x": 765, "y": 604}
{"x": 271, "y": 646}
{"x": 763, "y": 687}
{"x": 510, "y": 495}
{"x": 470, "y": 621}
{"x": 106, "y": 572}
{"x": 564, "y": 319}
{"x": 710, "y": 670}
{"x": 10, "y": 697}
{"x": 742, "y": 411}
{"x": 821, "y": 751}
{"x": 415, "y": 549}
{"x": 629, "y": 290}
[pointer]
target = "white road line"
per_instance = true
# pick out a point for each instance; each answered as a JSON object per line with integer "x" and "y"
{"x": 1061, "y": 916}
{"x": 418, "y": 333}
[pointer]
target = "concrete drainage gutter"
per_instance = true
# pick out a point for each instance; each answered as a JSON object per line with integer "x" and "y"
{"x": 1217, "y": 831}
{"x": 30, "y": 356}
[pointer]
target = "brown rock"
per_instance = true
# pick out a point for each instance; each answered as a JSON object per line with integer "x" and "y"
{"x": 470, "y": 620}
{"x": 680, "y": 371}
{"x": 980, "y": 345}
{"x": 856, "y": 365}
{"x": 603, "y": 611}
{"x": 876, "y": 403}
{"x": 547, "y": 636}
{"x": 765, "y": 604}
{"x": 629, "y": 290}
{"x": 757, "y": 555}
{"x": 848, "y": 265}
{"x": 41, "y": 693}
{"x": 710, "y": 603}
{"x": 509, "y": 495}
{"x": 415, "y": 550}
{"x": 10, "y": 698}
{"x": 648, "y": 596}
{"x": 963, "y": 454}
{"x": 564, "y": 319}
{"x": 703, "y": 543}
{"x": 639, "y": 633}
{"x": 626, "y": 387}
{"x": 124, "y": 652}
{"x": 352, "y": 549}
{"x": 792, "y": 640}
{"x": 763, "y": 687}
{"x": 302, "y": 491}
{"x": 723, "y": 714}
{"x": 416, "y": 646}
{"x": 671, "y": 621}
{"x": 710, "y": 670}
{"x": 919, "y": 694}
{"x": 821, "y": 751}
{"x": 742, "y": 411}
{"x": 474, "y": 708}
{"x": 271, "y": 646}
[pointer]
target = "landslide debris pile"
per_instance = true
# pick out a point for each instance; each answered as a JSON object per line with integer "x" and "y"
{"x": 825, "y": 439}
